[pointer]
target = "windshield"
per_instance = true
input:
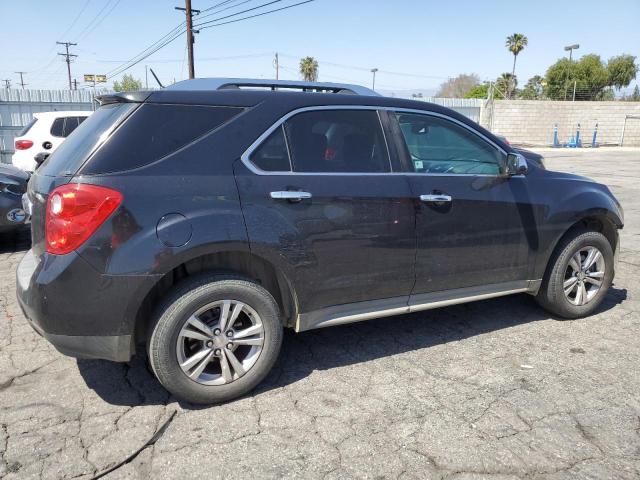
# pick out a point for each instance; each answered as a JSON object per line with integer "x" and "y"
{"x": 84, "y": 140}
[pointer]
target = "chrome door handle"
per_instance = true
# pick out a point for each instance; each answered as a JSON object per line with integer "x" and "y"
{"x": 290, "y": 195}
{"x": 439, "y": 198}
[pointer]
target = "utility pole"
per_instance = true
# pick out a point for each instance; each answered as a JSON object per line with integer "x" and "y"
{"x": 146, "y": 77}
{"x": 75, "y": 84}
{"x": 68, "y": 56}
{"x": 374, "y": 70}
{"x": 22, "y": 84}
{"x": 570, "y": 49}
{"x": 188, "y": 11}
{"x": 276, "y": 65}
{"x": 7, "y": 83}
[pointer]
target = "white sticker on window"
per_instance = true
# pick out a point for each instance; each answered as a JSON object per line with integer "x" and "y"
{"x": 418, "y": 164}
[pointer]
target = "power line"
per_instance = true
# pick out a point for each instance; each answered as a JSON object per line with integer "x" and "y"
{"x": 256, "y": 15}
{"x": 365, "y": 69}
{"x": 145, "y": 54}
{"x": 218, "y": 5}
{"x": 200, "y": 17}
{"x": 174, "y": 33}
{"x": 94, "y": 19}
{"x": 178, "y": 31}
{"x": 75, "y": 20}
{"x": 200, "y": 59}
{"x": 239, "y": 13}
{"x": 99, "y": 21}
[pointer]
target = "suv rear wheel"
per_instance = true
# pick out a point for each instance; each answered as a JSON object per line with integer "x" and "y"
{"x": 579, "y": 275}
{"x": 215, "y": 338}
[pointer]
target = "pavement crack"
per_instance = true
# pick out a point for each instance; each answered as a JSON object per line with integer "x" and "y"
{"x": 6, "y": 384}
{"x": 152, "y": 441}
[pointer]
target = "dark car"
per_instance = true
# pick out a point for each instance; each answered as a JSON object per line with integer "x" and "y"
{"x": 13, "y": 184}
{"x": 201, "y": 219}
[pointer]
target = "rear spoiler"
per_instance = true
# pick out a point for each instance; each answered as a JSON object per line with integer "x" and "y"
{"x": 124, "y": 97}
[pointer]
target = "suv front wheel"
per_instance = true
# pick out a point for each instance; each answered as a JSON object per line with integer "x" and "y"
{"x": 578, "y": 276}
{"x": 215, "y": 338}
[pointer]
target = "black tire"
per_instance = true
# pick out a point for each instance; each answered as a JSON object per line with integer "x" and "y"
{"x": 551, "y": 295}
{"x": 180, "y": 304}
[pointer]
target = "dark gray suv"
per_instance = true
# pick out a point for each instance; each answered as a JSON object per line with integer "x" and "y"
{"x": 201, "y": 219}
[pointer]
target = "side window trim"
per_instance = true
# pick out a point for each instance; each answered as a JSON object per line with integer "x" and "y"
{"x": 286, "y": 144}
{"x": 245, "y": 157}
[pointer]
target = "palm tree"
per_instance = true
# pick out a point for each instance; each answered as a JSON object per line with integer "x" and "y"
{"x": 309, "y": 69}
{"x": 505, "y": 83}
{"x": 515, "y": 44}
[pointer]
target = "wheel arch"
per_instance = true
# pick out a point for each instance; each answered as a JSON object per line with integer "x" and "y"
{"x": 599, "y": 221}
{"x": 239, "y": 263}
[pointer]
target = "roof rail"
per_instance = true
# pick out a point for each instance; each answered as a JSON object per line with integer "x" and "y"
{"x": 238, "y": 83}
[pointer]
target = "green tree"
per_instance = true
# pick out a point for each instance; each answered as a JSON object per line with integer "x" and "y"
{"x": 127, "y": 84}
{"x": 309, "y": 69}
{"x": 635, "y": 96}
{"x": 533, "y": 89}
{"x": 590, "y": 76}
{"x": 622, "y": 70}
{"x": 457, "y": 87}
{"x": 506, "y": 84}
{"x": 515, "y": 44}
{"x": 479, "y": 91}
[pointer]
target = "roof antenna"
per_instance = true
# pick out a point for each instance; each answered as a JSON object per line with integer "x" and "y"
{"x": 156, "y": 77}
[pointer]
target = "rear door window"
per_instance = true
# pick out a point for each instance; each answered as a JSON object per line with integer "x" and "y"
{"x": 272, "y": 154}
{"x": 155, "y": 131}
{"x": 70, "y": 124}
{"x": 57, "y": 127}
{"x": 336, "y": 141}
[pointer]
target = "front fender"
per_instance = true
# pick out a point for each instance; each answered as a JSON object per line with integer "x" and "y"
{"x": 591, "y": 201}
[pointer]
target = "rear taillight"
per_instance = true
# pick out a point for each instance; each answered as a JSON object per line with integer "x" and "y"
{"x": 74, "y": 212}
{"x": 23, "y": 144}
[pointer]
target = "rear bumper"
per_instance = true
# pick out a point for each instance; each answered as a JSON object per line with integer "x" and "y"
{"x": 83, "y": 313}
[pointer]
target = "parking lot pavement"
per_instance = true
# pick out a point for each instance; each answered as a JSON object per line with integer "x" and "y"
{"x": 494, "y": 389}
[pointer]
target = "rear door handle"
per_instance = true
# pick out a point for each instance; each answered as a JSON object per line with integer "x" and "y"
{"x": 435, "y": 198}
{"x": 292, "y": 195}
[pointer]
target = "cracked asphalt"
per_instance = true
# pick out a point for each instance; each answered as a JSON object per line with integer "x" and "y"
{"x": 495, "y": 389}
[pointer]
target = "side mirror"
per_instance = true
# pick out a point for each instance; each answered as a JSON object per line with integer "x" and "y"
{"x": 516, "y": 164}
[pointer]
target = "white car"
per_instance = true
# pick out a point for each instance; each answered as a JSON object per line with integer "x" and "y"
{"x": 43, "y": 134}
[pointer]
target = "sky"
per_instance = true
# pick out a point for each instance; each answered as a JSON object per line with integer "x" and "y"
{"x": 415, "y": 44}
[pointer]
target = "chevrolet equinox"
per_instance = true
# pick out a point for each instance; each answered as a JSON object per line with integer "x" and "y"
{"x": 202, "y": 219}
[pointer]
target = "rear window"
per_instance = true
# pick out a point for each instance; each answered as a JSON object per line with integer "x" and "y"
{"x": 27, "y": 127}
{"x": 73, "y": 152}
{"x": 155, "y": 131}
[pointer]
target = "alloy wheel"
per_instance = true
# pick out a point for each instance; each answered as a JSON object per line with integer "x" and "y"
{"x": 220, "y": 342}
{"x": 584, "y": 275}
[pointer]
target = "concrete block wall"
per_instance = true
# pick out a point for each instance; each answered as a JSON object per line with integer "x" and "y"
{"x": 532, "y": 121}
